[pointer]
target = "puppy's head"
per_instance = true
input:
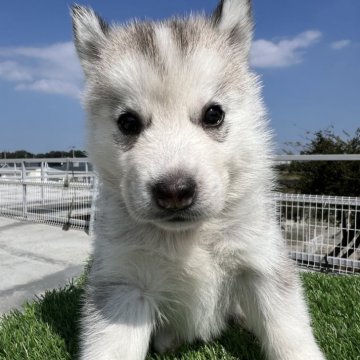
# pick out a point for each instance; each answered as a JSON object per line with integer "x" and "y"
{"x": 174, "y": 112}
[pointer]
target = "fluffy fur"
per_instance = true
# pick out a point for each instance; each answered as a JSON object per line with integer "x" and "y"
{"x": 154, "y": 277}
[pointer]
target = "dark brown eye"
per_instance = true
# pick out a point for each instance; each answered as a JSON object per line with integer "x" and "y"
{"x": 214, "y": 116}
{"x": 129, "y": 124}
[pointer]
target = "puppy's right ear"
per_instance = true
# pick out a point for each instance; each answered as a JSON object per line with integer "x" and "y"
{"x": 234, "y": 18}
{"x": 90, "y": 34}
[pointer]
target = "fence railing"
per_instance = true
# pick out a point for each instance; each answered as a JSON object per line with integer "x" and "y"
{"x": 318, "y": 157}
{"x": 52, "y": 191}
{"x": 68, "y": 205}
{"x": 321, "y": 232}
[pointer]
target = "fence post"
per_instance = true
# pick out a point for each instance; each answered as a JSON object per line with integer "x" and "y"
{"x": 86, "y": 172}
{"x": 95, "y": 191}
{"x": 42, "y": 183}
{"x": 67, "y": 181}
{"x": 23, "y": 180}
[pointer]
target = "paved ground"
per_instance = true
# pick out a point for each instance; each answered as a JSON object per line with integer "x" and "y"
{"x": 35, "y": 257}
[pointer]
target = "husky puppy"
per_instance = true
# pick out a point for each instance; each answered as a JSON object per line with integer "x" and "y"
{"x": 186, "y": 233}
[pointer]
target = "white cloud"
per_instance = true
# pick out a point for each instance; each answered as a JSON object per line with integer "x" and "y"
{"x": 51, "y": 86}
{"x": 51, "y": 69}
{"x": 10, "y": 70}
{"x": 282, "y": 53}
{"x": 337, "y": 45}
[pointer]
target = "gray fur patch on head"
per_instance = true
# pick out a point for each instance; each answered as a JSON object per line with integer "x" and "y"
{"x": 142, "y": 36}
{"x": 185, "y": 34}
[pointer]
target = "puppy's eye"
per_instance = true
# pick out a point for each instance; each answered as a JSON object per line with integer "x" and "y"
{"x": 213, "y": 116}
{"x": 129, "y": 124}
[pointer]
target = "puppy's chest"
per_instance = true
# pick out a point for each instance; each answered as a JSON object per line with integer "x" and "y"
{"x": 194, "y": 271}
{"x": 196, "y": 297}
{"x": 187, "y": 278}
{"x": 191, "y": 290}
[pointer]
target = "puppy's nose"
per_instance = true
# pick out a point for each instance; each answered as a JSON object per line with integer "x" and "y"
{"x": 174, "y": 192}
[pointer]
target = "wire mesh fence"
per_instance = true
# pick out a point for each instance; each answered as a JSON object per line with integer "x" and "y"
{"x": 321, "y": 232}
{"x": 59, "y": 195}
{"x": 53, "y": 203}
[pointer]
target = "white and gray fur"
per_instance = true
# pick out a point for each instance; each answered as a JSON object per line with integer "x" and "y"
{"x": 170, "y": 282}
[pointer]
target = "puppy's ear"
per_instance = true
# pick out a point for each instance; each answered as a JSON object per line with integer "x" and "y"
{"x": 234, "y": 17}
{"x": 90, "y": 34}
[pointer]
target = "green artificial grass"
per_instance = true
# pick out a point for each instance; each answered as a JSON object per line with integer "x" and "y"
{"x": 47, "y": 328}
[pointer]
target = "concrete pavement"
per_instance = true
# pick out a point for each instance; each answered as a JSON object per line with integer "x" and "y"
{"x": 36, "y": 257}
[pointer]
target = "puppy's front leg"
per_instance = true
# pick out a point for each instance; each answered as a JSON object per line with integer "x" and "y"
{"x": 117, "y": 323}
{"x": 276, "y": 311}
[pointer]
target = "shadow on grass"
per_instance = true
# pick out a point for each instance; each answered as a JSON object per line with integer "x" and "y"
{"x": 235, "y": 343}
{"x": 241, "y": 344}
{"x": 60, "y": 309}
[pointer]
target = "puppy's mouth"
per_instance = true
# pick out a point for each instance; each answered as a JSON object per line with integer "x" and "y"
{"x": 178, "y": 221}
{"x": 181, "y": 216}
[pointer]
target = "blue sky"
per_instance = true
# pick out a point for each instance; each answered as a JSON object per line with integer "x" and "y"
{"x": 307, "y": 52}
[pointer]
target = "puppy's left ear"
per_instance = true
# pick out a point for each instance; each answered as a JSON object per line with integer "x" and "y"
{"x": 234, "y": 17}
{"x": 90, "y": 35}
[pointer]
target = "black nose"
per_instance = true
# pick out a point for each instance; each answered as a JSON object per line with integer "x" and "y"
{"x": 174, "y": 192}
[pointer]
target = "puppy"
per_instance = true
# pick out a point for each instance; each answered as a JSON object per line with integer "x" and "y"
{"x": 186, "y": 232}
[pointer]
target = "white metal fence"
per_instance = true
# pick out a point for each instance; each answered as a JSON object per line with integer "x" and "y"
{"x": 61, "y": 194}
{"x": 50, "y": 202}
{"x": 321, "y": 232}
